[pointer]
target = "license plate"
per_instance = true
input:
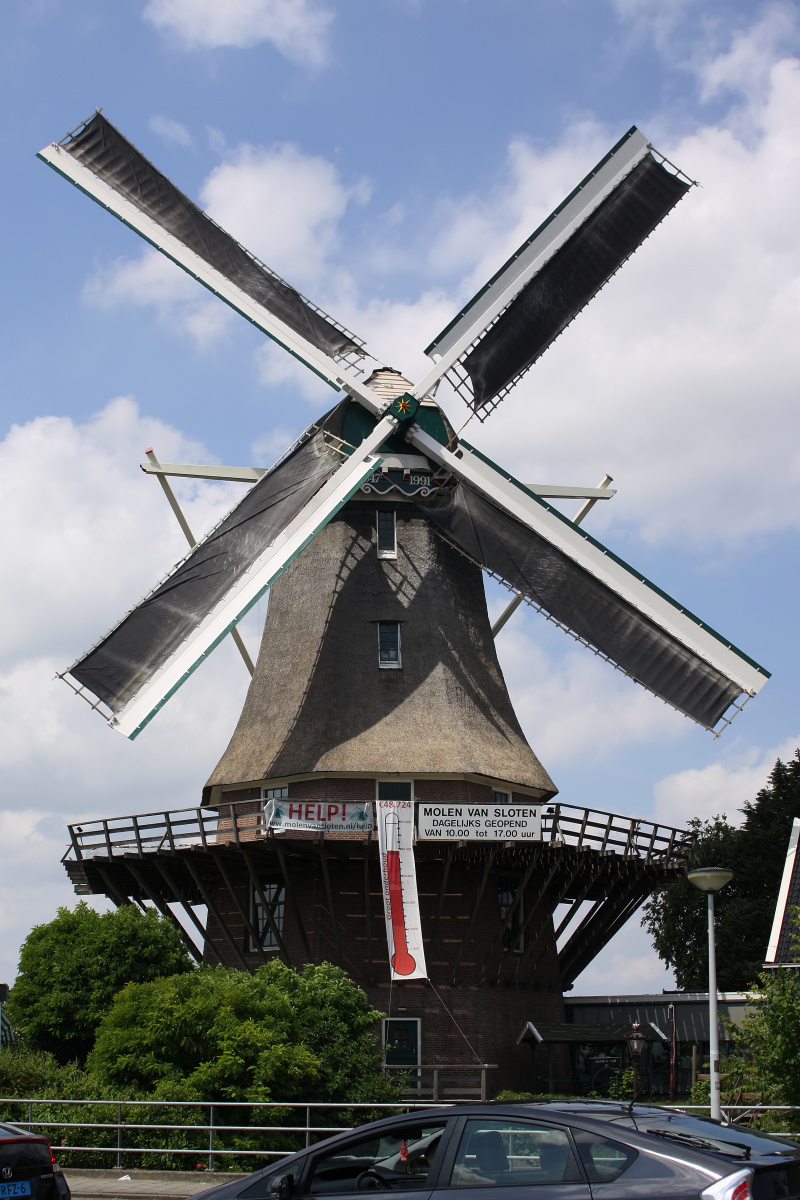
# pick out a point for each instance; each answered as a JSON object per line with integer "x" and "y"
{"x": 23, "y": 1188}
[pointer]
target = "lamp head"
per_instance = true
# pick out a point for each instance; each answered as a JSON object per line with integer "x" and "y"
{"x": 636, "y": 1040}
{"x": 709, "y": 879}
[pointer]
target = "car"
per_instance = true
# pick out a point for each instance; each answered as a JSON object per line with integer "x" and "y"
{"x": 558, "y": 1150}
{"x": 28, "y": 1166}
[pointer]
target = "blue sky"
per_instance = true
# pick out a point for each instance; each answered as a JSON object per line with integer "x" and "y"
{"x": 386, "y": 157}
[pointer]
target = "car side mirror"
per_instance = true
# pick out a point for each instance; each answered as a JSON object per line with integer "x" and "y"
{"x": 283, "y": 1187}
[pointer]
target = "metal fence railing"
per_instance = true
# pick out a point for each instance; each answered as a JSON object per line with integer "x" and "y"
{"x": 211, "y": 1134}
{"x": 210, "y": 1138}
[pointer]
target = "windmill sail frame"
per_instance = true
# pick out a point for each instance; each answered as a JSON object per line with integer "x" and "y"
{"x": 682, "y": 657}
{"x": 554, "y": 274}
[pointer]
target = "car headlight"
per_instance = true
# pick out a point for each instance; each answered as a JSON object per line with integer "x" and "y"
{"x": 731, "y": 1187}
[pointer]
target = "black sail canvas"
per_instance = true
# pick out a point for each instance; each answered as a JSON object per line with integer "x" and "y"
{"x": 582, "y": 604}
{"x": 112, "y": 158}
{"x": 569, "y": 280}
{"x": 142, "y": 642}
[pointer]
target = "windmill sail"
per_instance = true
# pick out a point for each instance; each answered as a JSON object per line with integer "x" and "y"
{"x": 586, "y": 589}
{"x": 144, "y": 659}
{"x": 509, "y": 324}
{"x": 112, "y": 171}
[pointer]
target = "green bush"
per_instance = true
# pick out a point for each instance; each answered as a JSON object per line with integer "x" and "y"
{"x": 71, "y": 968}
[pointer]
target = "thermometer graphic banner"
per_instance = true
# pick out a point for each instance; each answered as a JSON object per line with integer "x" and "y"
{"x": 399, "y": 880}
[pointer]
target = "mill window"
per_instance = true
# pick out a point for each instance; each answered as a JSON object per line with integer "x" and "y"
{"x": 389, "y": 644}
{"x": 499, "y": 797}
{"x": 512, "y": 935}
{"x": 387, "y": 533}
{"x": 394, "y": 789}
{"x": 273, "y": 893}
{"x": 278, "y": 793}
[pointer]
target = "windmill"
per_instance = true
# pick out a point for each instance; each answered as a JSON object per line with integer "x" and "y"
{"x": 377, "y": 658}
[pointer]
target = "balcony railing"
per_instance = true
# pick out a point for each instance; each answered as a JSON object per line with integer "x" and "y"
{"x": 562, "y": 825}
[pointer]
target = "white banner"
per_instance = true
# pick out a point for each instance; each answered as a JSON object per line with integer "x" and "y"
{"x": 479, "y": 822}
{"x": 399, "y": 879}
{"x": 317, "y": 814}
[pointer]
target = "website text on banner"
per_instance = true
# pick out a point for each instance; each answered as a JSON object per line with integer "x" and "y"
{"x": 317, "y": 814}
{"x": 479, "y": 822}
{"x": 399, "y": 881}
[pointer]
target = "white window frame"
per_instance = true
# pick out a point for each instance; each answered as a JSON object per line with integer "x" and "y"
{"x": 392, "y": 554}
{"x": 391, "y": 666}
{"x": 271, "y": 793}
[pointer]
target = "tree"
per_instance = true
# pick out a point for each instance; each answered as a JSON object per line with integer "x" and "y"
{"x": 222, "y": 1034}
{"x": 771, "y": 1033}
{"x": 71, "y": 968}
{"x": 676, "y": 916}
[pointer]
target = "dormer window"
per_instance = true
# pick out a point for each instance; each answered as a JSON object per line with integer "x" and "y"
{"x": 389, "y": 644}
{"x": 387, "y": 533}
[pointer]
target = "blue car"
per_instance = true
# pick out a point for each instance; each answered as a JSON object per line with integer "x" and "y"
{"x": 562, "y": 1150}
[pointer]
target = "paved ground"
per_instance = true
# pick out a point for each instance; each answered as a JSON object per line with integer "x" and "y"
{"x": 143, "y": 1185}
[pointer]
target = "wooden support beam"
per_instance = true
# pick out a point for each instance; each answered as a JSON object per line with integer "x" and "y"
{"x": 214, "y": 912}
{"x": 509, "y": 917}
{"x": 608, "y": 920}
{"x": 553, "y": 898}
{"x": 269, "y": 909}
{"x": 468, "y": 931}
{"x": 289, "y": 890}
{"x": 591, "y": 927}
{"x": 187, "y": 908}
{"x": 329, "y": 894}
{"x": 541, "y": 905}
{"x": 574, "y": 906}
{"x": 234, "y": 895}
{"x": 119, "y": 898}
{"x": 165, "y": 910}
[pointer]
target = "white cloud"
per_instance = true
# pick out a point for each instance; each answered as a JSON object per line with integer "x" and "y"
{"x": 170, "y": 131}
{"x": 298, "y": 29}
{"x": 680, "y": 379}
{"x": 153, "y": 281}
{"x": 283, "y": 205}
{"x": 576, "y": 699}
{"x": 745, "y": 66}
{"x": 721, "y": 787}
{"x": 628, "y": 965}
{"x": 89, "y": 533}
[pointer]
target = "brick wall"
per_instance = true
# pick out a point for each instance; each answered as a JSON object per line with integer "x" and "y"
{"x": 466, "y": 1009}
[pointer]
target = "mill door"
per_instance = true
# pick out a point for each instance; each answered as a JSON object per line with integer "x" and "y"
{"x": 402, "y": 1041}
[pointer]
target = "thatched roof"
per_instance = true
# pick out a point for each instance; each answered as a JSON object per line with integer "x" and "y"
{"x": 319, "y": 702}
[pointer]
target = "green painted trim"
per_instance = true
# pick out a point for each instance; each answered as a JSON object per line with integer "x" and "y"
{"x": 146, "y": 721}
{"x": 192, "y": 275}
{"x": 534, "y": 235}
{"x": 619, "y": 561}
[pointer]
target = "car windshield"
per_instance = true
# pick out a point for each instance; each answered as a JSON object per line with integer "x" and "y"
{"x": 705, "y": 1134}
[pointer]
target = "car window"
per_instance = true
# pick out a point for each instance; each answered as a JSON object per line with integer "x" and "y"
{"x": 396, "y": 1159}
{"x": 512, "y": 1153}
{"x": 603, "y": 1160}
{"x": 259, "y": 1189}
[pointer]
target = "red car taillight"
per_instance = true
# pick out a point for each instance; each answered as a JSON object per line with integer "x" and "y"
{"x": 731, "y": 1187}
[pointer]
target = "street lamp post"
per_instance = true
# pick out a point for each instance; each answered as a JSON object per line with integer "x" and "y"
{"x": 636, "y": 1040}
{"x": 710, "y": 880}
